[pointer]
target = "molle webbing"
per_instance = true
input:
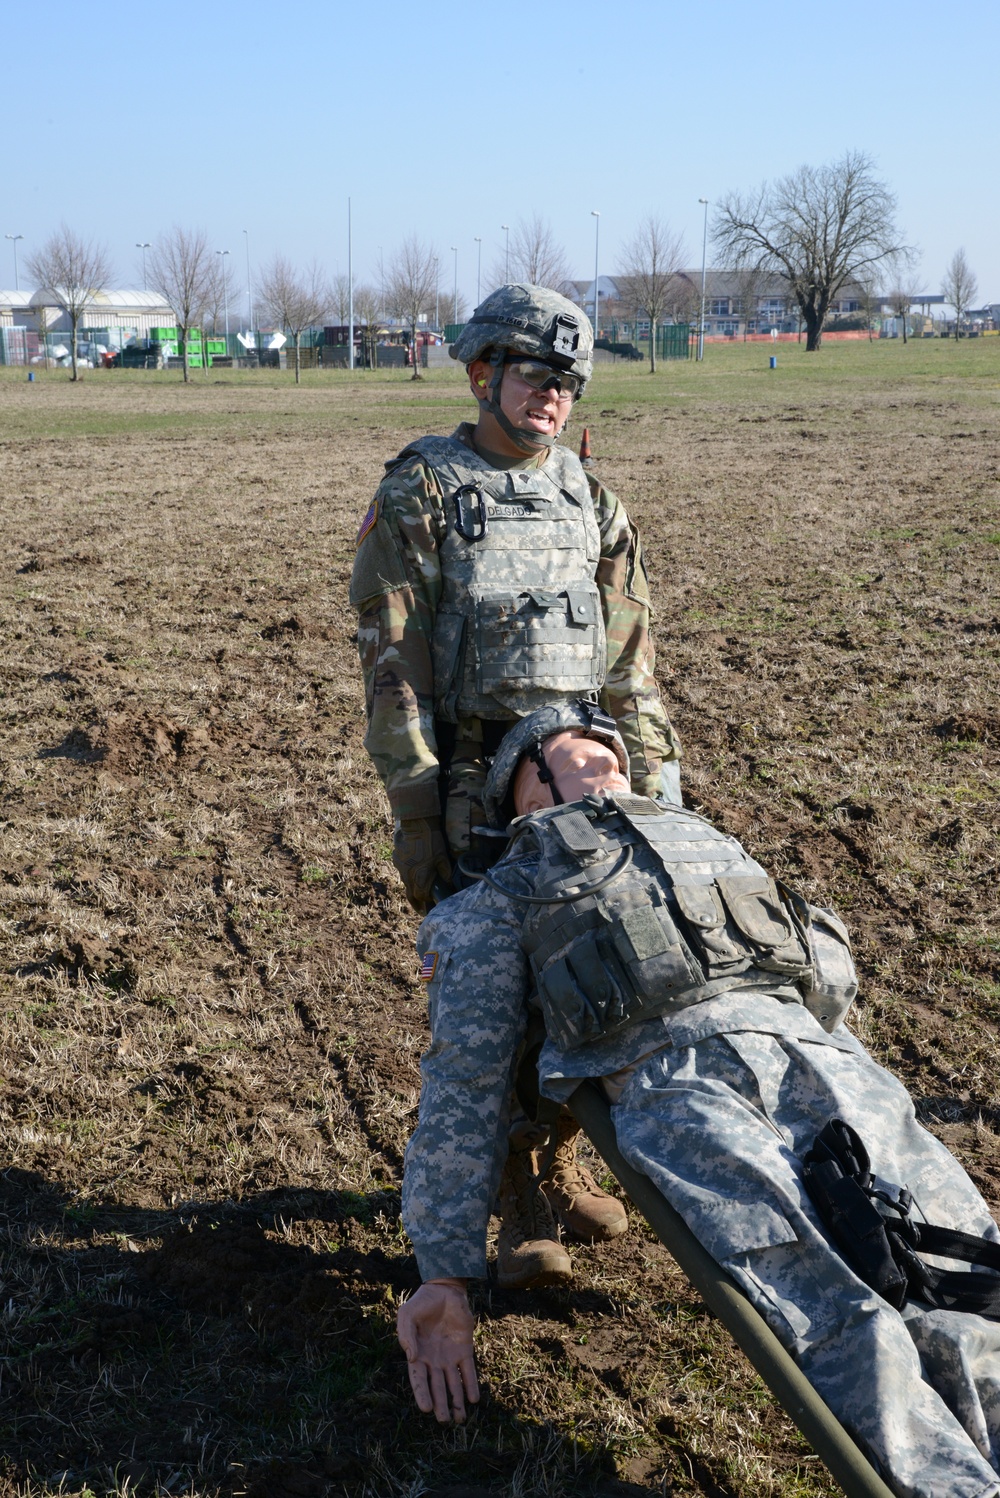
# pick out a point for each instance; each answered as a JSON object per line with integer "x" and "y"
{"x": 519, "y": 620}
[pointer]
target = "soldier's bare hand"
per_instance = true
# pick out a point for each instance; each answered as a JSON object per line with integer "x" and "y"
{"x": 435, "y": 1331}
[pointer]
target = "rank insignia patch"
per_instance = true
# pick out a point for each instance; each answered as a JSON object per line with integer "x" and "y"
{"x": 368, "y": 522}
{"x": 428, "y": 966}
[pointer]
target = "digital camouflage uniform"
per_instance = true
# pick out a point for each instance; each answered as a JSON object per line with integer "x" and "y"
{"x": 423, "y": 681}
{"x": 717, "y": 1098}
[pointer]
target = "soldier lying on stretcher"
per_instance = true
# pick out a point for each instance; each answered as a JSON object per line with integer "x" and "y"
{"x": 710, "y": 1002}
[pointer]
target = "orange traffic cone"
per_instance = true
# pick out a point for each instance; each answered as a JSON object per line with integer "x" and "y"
{"x": 585, "y": 447}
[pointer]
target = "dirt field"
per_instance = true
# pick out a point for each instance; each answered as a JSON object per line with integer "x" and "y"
{"x": 212, "y": 1023}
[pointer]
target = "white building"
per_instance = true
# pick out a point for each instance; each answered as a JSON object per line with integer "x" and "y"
{"x": 13, "y": 308}
{"x": 126, "y": 312}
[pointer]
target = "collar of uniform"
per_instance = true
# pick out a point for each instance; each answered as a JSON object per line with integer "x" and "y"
{"x": 466, "y": 433}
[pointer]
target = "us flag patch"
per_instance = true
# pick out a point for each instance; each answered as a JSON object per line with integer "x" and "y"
{"x": 428, "y": 966}
{"x": 368, "y": 522}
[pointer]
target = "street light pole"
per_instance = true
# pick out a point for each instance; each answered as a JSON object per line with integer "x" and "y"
{"x": 454, "y": 310}
{"x": 13, "y": 239}
{"x": 144, "y": 246}
{"x": 704, "y": 251}
{"x": 479, "y": 270}
{"x": 597, "y": 240}
{"x": 350, "y": 290}
{"x": 506, "y": 252}
{"x": 249, "y": 290}
{"x": 225, "y": 293}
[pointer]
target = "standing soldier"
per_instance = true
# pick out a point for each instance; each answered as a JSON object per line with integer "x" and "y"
{"x": 494, "y": 576}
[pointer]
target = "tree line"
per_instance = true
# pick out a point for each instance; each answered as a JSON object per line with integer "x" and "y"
{"x": 818, "y": 229}
{"x": 198, "y": 285}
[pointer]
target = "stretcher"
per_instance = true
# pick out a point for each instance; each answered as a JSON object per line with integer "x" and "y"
{"x": 846, "y": 1462}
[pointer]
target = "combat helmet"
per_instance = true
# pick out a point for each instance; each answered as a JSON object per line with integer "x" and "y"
{"x": 530, "y": 733}
{"x": 532, "y": 320}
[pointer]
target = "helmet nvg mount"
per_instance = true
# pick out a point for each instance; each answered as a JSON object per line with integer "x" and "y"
{"x": 532, "y": 320}
{"x": 531, "y": 732}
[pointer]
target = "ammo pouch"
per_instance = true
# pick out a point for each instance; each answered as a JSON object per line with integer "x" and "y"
{"x": 882, "y": 1243}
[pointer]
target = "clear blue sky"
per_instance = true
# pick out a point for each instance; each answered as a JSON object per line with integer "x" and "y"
{"x": 447, "y": 120}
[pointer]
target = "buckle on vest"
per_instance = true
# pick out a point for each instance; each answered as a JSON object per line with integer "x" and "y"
{"x": 471, "y": 521}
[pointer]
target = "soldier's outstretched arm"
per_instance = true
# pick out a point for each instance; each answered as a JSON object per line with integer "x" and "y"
{"x": 435, "y": 1329}
{"x": 630, "y": 692}
{"x": 477, "y": 986}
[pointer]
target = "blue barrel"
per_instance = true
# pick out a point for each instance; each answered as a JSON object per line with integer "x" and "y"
{"x": 774, "y": 361}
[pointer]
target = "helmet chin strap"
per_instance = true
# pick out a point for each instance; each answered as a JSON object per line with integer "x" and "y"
{"x": 525, "y": 441}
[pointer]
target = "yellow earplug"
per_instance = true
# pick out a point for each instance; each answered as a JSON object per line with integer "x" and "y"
{"x": 481, "y": 382}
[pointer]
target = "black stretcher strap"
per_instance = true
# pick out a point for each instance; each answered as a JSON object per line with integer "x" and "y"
{"x": 872, "y": 1226}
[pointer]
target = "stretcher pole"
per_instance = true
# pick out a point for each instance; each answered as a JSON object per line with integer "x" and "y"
{"x": 846, "y": 1462}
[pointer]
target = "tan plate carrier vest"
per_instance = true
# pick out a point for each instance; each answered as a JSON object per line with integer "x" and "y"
{"x": 691, "y": 915}
{"x": 519, "y": 623}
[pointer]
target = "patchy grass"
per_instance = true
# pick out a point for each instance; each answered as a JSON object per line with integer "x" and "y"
{"x": 211, "y": 1021}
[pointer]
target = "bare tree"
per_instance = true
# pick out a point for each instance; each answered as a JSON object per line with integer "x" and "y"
{"x": 368, "y": 311}
{"x": 181, "y": 269}
{"x": 42, "y": 323}
{"x": 684, "y": 298}
{"x": 72, "y": 271}
{"x": 902, "y": 287}
{"x": 750, "y": 280}
{"x": 295, "y": 301}
{"x": 536, "y": 256}
{"x": 649, "y": 262}
{"x": 340, "y": 299}
{"x": 818, "y": 227}
{"x": 452, "y": 310}
{"x": 959, "y": 286}
{"x": 412, "y": 282}
{"x": 870, "y": 295}
{"x": 223, "y": 291}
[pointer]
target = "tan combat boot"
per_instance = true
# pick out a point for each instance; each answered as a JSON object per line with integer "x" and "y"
{"x": 529, "y": 1253}
{"x": 581, "y": 1206}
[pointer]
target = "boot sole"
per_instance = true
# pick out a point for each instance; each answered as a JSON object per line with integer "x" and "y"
{"x": 534, "y": 1281}
{"x": 600, "y": 1235}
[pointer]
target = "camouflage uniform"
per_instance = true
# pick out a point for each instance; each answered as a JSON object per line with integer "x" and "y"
{"x": 407, "y": 544}
{"x": 716, "y": 1102}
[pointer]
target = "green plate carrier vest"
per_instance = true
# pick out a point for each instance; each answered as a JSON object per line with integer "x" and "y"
{"x": 519, "y": 622}
{"x": 690, "y": 916}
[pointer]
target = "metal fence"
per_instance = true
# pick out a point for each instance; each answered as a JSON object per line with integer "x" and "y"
{"x": 13, "y": 346}
{"x": 122, "y": 348}
{"x": 672, "y": 342}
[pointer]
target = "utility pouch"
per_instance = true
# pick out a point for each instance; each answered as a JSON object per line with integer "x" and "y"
{"x": 880, "y": 1240}
{"x": 833, "y": 983}
{"x": 702, "y": 908}
{"x": 740, "y": 921}
{"x": 757, "y": 908}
